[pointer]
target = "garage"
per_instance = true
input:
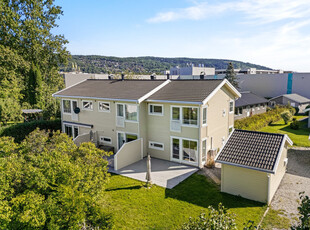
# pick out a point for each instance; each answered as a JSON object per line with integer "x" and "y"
{"x": 253, "y": 164}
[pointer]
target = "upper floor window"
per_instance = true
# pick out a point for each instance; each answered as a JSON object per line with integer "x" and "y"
{"x": 231, "y": 106}
{"x": 87, "y": 105}
{"x": 190, "y": 116}
{"x": 131, "y": 112}
{"x": 204, "y": 116}
{"x": 104, "y": 106}
{"x": 66, "y": 106}
{"x": 156, "y": 109}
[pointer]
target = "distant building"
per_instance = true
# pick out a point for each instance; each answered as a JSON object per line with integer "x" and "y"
{"x": 192, "y": 70}
{"x": 249, "y": 104}
{"x": 251, "y": 71}
{"x": 295, "y": 100}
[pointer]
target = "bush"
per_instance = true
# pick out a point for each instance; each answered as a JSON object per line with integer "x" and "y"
{"x": 286, "y": 116}
{"x": 21, "y": 130}
{"x": 304, "y": 213}
{"x": 259, "y": 121}
{"x": 294, "y": 124}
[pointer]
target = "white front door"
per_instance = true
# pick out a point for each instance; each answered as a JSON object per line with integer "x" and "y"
{"x": 74, "y": 116}
{"x": 120, "y": 115}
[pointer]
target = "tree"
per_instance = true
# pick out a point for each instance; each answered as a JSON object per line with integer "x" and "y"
{"x": 34, "y": 85}
{"x": 231, "y": 75}
{"x": 286, "y": 116}
{"x": 50, "y": 183}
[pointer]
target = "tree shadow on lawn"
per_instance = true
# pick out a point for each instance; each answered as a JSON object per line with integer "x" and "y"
{"x": 199, "y": 191}
{"x": 303, "y": 130}
{"x": 123, "y": 188}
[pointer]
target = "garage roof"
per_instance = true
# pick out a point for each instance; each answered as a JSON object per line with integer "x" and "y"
{"x": 248, "y": 98}
{"x": 255, "y": 150}
{"x": 294, "y": 97}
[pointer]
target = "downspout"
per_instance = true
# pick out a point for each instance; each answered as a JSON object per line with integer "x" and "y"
{"x": 199, "y": 137}
{"x": 268, "y": 188}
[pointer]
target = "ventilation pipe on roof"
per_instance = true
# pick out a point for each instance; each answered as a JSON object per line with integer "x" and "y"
{"x": 168, "y": 76}
{"x": 110, "y": 76}
{"x": 153, "y": 76}
{"x": 202, "y": 75}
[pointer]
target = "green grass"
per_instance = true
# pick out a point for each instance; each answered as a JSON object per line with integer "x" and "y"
{"x": 300, "y": 137}
{"x": 274, "y": 219}
{"x": 135, "y": 207}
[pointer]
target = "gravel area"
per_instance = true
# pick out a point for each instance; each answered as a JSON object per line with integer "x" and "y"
{"x": 296, "y": 179}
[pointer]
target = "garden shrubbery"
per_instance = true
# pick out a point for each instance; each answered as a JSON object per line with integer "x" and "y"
{"x": 259, "y": 121}
{"x": 21, "y": 130}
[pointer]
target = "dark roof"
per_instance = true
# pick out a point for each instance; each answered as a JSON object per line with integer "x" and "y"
{"x": 112, "y": 89}
{"x": 248, "y": 98}
{"x": 249, "y": 149}
{"x": 186, "y": 90}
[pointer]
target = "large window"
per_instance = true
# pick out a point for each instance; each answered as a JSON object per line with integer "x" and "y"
{"x": 66, "y": 104}
{"x": 204, "y": 116}
{"x": 189, "y": 150}
{"x": 104, "y": 106}
{"x": 87, "y": 105}
{"x": 156, "y": 109}
{"x": 190, "y": 116}
{"x": 131, "y": 112}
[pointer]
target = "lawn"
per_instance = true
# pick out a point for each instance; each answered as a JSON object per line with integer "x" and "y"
{"x": 135, "y": 207}
{"x": 299, "y": 137}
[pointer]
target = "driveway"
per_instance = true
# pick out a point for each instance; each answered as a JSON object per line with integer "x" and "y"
{"x": 296, "y": 179}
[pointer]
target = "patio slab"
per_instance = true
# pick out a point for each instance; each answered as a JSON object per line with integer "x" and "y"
{"x": 164, "y": 173}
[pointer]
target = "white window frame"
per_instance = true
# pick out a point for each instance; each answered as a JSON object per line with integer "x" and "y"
{"x": 157, "y": 148}
{"x": 154, "y": 113}
{"x": 104, "y": 111}
{"x": 125, "y": 134}
{"x": 231, "y": 101}
{"x": 181, "y": 116}
{"x": 63, "y": 109}
{"x": 101, "y": 139}
{"x": 181, "y": 150}
{"x": 206, "y": 140}
{"x": 88, "y": 102}
{"x": 124, "y": 112}
{"x": 205, "y": 108}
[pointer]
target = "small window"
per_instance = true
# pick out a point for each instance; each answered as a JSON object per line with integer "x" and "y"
{"x": 231, "y": 106}
{"x": 104, "y": 106}
{"x": 156, "y": 109}
{"x": 204, "y": 116}
{"x": 87, "y": 105}
{"x": 66, "y": 104}
{"x": 156, "y": 145}
{"x": 107, "y": 140}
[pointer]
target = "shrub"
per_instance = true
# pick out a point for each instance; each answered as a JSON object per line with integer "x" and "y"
{"x": 21, "y": 130}
{"x": 294, "y": 124}
{"x": 292, "y": 110}
{"x": 304, "y": 213}
{"x": 286, "y": 116}
{"x": 259, "y": 121}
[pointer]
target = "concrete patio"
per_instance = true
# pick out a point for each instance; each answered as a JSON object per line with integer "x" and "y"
{"x": 166, "y": 174}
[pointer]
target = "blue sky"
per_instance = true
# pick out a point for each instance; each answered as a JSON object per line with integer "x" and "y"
{"x": 274, "y": 33}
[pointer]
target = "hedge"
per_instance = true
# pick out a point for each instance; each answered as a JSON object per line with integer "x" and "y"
{"x": 21, "y": 130}
{"x": 260, "y": 121}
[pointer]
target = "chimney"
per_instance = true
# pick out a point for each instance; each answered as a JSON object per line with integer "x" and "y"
{"x": 123, "y": 76}
{"x": 168, "y": 76}
{"x": 110, "y": 77}
{"x": 153, "y": 76}
{"x": 202, "y": 76}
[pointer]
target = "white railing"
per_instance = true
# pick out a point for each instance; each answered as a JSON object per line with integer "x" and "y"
{"x": 81, "y": 138}
{"x": 129, "y": 153}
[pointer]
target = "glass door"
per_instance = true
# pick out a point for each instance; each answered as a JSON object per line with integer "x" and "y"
{"x": 175, "y": 149}
{"x": 120, "y": 139}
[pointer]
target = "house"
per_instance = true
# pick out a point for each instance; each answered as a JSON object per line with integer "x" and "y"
{"x": 253, "y": 164}
{"x": 295, "y": 100}
{"x": 308, "y": 111}
{"x": 192, "y": 70}
{"x": 249, "y": 104}
{"x": 174, "y": 120}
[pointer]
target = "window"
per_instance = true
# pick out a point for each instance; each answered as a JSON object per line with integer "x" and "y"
{"x": 190, "y": 116}
{"x": 120, "y": 110}
{"x": 131, "y": 112}
{"x": 66, "y": 104}
{"x": 175, "y": 113}
{"x": 156, "y": 145}
{"x": 68, "y": 130}
{"x": 189, "y": 150}
{"x": 87, "y": 105}
{"x": 156, "y": 109}
{"x": 204, "y": 150}
{"x": 103, "y": 106}
{"x": 231, "y": 106}
{"x": 204, "y": 116}
{"x": 107, "y": 140}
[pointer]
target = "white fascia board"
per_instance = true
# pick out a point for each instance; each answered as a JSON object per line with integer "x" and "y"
{"x": 153, "y": 91}
{"x": 288, "y": 139}
{"x": 175, "y": 102}
{"x": 225, "y": 81}
{"x": 53, "y": 95}
{"x": 97, "y": 98}
{"x": 247, "y": 167}
{"x": 285, "y": 139}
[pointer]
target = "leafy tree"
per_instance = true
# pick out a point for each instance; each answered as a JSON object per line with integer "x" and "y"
{"x": 47, "y": 182}
{"x": 304, "y": 213}
{"x": 286, "y": 116}
{"x": 34, "y": 85}
{"x": 231, "y": 75}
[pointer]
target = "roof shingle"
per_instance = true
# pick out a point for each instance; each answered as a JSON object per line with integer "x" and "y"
{"x": 248, "y": 98}
{"x": 251, "y": 149}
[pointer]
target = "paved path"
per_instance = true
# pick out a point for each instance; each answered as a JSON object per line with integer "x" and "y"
{"x": 296, "y": 179}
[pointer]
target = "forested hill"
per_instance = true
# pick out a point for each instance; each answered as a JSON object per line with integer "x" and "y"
{"x": 144, "y": 65}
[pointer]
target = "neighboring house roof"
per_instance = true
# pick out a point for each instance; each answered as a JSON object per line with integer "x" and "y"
{"x": 294, "y": 97}
{"x": 129, "y": 90}
{"x": 194, "y": 91}
{"x": 253, "y": 150}
{"x": 248, "y": 98}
